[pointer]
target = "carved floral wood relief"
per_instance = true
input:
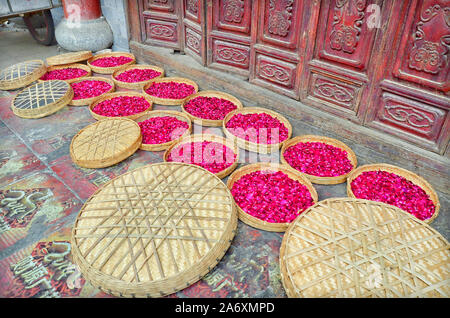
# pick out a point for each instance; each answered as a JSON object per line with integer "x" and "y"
{"x": 280, "y": 15}
{"x": 233, "y": 10}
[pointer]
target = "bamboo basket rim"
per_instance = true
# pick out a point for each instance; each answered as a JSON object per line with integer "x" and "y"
{"x": 361, "y": 224}
{"x": 326, "y": 140}
{"x": 262, "y": 166}
{"x": 160, "y": 113}
{"x": 170, "y": 101}
{"x": 207, "y": 137}
{"x": 210, "y": 93}
{"x": 68, "y": 58}
{"x": 252, "y": 146}
{"x": 112, "y": 69}
{"x": 118, "y": 156}
{"x": 88, "y": 101}
{"x": 408, "y": 175}
{"x": 74, "y": 65}
{"x": 23, "y": 80}
{"x": 137, "y": 85}
{"x": 178, "y": 281}
{"x": 118, "y": 94}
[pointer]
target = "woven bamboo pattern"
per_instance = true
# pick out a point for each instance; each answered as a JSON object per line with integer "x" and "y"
{"x": 170, "y": 101}
{"x": 210, "y": 122}
{"x": 74, "y": 65}
{"x": 345, "y": 247}
{"x": 68, "y": 58}
{"x": 136, "y": 85}
{"x": 292, "y": 173}
{"x": 42, "y": 99}
{"x": 161, "y": 113}
{"x": 154, "y": 231}
{"x": 252, "y": 146}
{"x": 105, "y": 143}
{"x": 88, "y": 101}
{"x": 109, "y": 70}
{"x": 118, "y": 94}
{"x": 408, "y": 175}
{"x": 21, "y": 74}
{"x": 334, "y": 142}
{"x": 212, "y": 138}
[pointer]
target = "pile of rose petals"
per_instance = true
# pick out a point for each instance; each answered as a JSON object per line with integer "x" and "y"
{"x": 258, "y": 128}
{"x": 159, "y": 130}
{"x": 111, "y": 61}
{"x": 271, "y": 196}
{"x": 170, "y": 90}
{"x": 387, "y": 187}
{"x": 212, "y": 108}
{"x": 211, "y": 155}
{"x": 121, "y": 106}
{"x": 318, "y": 159}
{"x": 64, "y": 74}
{"x": 137, "y": 75}
{"x": 89, "y": 88}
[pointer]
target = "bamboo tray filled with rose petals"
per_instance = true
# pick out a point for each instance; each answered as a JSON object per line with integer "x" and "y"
{"x": 86, "y": 90}
{"x": 136, "y": 76}
{"x": 129, "y": 105}
{"x": 170, "y": 91}
{"x": 69, "y": 73}
{"x": 108, "y": 63}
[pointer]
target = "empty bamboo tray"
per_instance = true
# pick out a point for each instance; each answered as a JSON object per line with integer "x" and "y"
{"x": 408, "y": 175}
{"x": 21, "y": 74}
{"x": 69, "y": 58}
{"x": 252, "y": 146}
{"x": 326, "y": 140}
{"x": 350, "y": 248}
{"x": 90, "y": 100}
{"x": 153, "y": 231}
{"x": 160, "y": 113}
{"x": 111, "y": 69}
{"x": 217, "y": 94}
{"x": 293, "y": 174}
{"x": 169, "y": 101}
{"x": 136, "y": 85}
{"x": 75, "y": 65}
{"x": 105, "y": 143}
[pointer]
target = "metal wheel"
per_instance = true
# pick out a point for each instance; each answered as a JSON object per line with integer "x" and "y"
{"x": 41, "y": 26}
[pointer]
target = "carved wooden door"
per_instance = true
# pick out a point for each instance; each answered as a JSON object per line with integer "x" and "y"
{"x": 194, "y": 29}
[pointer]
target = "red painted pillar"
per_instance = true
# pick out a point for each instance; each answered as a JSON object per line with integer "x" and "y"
{"x": 82, "y": 9}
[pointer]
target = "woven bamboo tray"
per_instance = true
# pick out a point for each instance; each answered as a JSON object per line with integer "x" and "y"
{"x": 345, "y": 247}
{"x": 105, "y": 143}
{"x": 330, "y": 141}
{"x": 414, "y": 178}
{"x": 69, "y": 58}
{"x": 160, "y": 113}
{"x": 292, "y": 173}
{"x": 109, "y": 70}
{"x": 154, "y": 231}
{"x": 208, "y": 137}
{"x": 136, "y": 85}
{"x": 75, "y": 65}
{"x": 210, "y": 122}
{"x": 169, "y": 101}
{"x": 88, "y": 101}
{"x": 42, "y": 99}
{"x": 252, "y": 146}
{"x": 21, "y": 74}
{"x": 118, "y": 94}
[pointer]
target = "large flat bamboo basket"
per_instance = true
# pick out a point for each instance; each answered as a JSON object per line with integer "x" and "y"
{"x": 408, "y": 175}
{"x": 21, "y": 74}
{"x": 154, "y": 231}
{"x": 161, "y": 113}
{"x": 292, "y": 173}
{"x": 42, "y": 99}
{"x": 351, "y": 248}
{"x": 330, "y": 141}
{"x": 217, "y": 94}
{"x": 105, "y": 143}
{"x": 112, "y": 69}
{"x": 252, "y": 146}
{"x": 136, "y": 85}
{"x": 169, "y": 101}
{"x": 88, "y": 101}
{"x": 212, "y": 138}
{"x": 118, "y": 94}
{"x": 75, "y": 65}
{"x": 69, "y": 58}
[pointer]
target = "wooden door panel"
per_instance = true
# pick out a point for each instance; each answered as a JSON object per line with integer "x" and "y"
{"x": 194, "y": 29}
{"x": 160, "y": 5}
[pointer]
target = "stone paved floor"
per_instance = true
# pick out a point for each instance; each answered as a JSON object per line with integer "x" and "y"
{"x": 34, "y": 157}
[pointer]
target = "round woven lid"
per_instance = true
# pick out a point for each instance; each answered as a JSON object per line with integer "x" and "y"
{"x": 154, "y": 231}
{"x": 68, "y": 58}
{"x": 21, "y": 74}
{"x": 42, "y": 99}
{"x": 347, "y": 247}
{"x": 105, "y": 142}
